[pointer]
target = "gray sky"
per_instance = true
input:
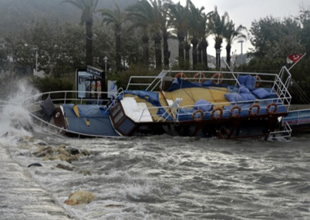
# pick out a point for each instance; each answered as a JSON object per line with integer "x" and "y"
{"x": 244, "y": 12}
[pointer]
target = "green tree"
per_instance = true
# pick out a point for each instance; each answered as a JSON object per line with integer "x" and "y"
{"x": 217, "y": 25}
{"x": 231, "y": 34}
{"x": 150, "y": 13}
{"x": 273, "y": 38}
{"x": 197, "y": 32}
{"x": 116, "y": 18}
{"x": 144, "y": 29}
{"x": 179, "y": 22}
{"x": 304, "y": 19}
{"x": 88, "y": 8}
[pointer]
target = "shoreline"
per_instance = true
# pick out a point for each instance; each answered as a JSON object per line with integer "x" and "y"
{"x": 21, "y": 196}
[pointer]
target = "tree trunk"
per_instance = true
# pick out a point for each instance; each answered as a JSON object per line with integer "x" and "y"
{"x": 218, "y": 45}
{"x": 118, "y": 57}
{"x": 194, "y": 41}
{"x": 204, "y": 45}
{"x": 89, "y": 43}
{"x": 157, "y": 40}
{"x": 145, "y": 41}
{"x": 200, "y": 53}
{"x": 181, "y": 50}
{"x": 187, "y": 61}
{"x": 228, "y": 57}
{"x": 166, "y": 50}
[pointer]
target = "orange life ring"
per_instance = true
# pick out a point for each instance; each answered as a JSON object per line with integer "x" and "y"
{"x": 236, "y": 107}
{"x": 274, "y": 109}
{"x": 200, "y": 77}
{"x": 217, "y": 78}
{"x": 253, "y": 113}
{"x": 182, "y": 75}
{"x": 214, "y": 116}
{"x": 258, "y": 81}
{"x": 199, "y": 118}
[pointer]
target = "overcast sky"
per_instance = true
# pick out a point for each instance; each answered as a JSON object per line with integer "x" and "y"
{"x": 244, "y": 12}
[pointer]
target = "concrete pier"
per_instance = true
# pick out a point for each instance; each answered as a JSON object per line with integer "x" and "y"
{"x": 21, "y": 198}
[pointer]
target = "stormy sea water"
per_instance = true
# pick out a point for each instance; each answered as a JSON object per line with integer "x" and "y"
{"x": 156, "y": 177}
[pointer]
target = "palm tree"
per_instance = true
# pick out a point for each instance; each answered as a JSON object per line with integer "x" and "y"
{"x": 217, "y": 27}
{"x": 166, "y": 34}
{"x": 231, "y": 34}
{"x": 116, "y": 18}
{"x": 180, "y": 25}
{"x": 143, "y": 26}
{"x": 197, "y": 27}
{"x": 148, "y": 14}
{"x": 88, "y": 8}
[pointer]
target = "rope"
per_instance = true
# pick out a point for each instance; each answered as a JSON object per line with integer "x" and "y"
{"x": 300, "y": 92}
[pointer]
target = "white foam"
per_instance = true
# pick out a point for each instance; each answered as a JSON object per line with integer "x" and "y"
{"x": 15, "y": 119}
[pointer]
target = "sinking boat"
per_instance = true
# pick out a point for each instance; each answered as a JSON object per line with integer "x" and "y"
{"x": 222, "y": 104}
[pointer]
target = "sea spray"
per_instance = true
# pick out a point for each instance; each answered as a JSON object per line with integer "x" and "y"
{"x": 15, "y": 119}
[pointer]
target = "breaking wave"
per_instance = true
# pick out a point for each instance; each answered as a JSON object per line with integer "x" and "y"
{"x": 15, "y": 119}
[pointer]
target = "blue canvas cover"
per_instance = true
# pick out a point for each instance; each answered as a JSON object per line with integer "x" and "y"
{"x": 179, "y": 83}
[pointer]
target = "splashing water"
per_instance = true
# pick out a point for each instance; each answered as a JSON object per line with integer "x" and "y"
{"x": 15, "y": 119}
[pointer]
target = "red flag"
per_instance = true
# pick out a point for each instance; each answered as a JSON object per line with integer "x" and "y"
{"x": 293, "y": 58}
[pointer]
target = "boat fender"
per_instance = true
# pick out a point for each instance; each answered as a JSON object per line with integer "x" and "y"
{"x": 217, "y": 78}
{"x": 215, "y": 115}
{"x": 200, "y": 77}
{"x": 198, "y": 115}
{"x": 235, "y": 111}
{"x": 182, "y": 75}
{"x": 252, "y": 111}
{"x": 272, "y": 108}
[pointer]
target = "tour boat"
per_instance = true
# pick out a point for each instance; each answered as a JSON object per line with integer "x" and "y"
{"x": 221, "y": 104}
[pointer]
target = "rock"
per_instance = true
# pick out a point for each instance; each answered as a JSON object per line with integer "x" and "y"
{"x": 61, "y": 153}
{"x": 43, "y": 152}
{"x": 35, "y": 165}
{"x": 85, "y": 152}
{"x": 114, "y": 206}
{"x": 64, "y": 167}
{"x": 80, "y": 197}
{"x": 73, "y": 151}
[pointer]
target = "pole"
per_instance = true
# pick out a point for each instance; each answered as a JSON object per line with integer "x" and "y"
{"x": 241, "y": 45}
{"x": 106, "y": 73}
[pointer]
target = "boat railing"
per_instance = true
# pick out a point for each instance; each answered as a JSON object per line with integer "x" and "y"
{"x": 281, "y": 135}
{"x": 215, "y": 77}
{"x": 118, "y": 95}
{"x": 176, "y": 112}
{"x": 55, "y": 130}
{"x": 71, "y": 96}
{"x": 141, "y": 82}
